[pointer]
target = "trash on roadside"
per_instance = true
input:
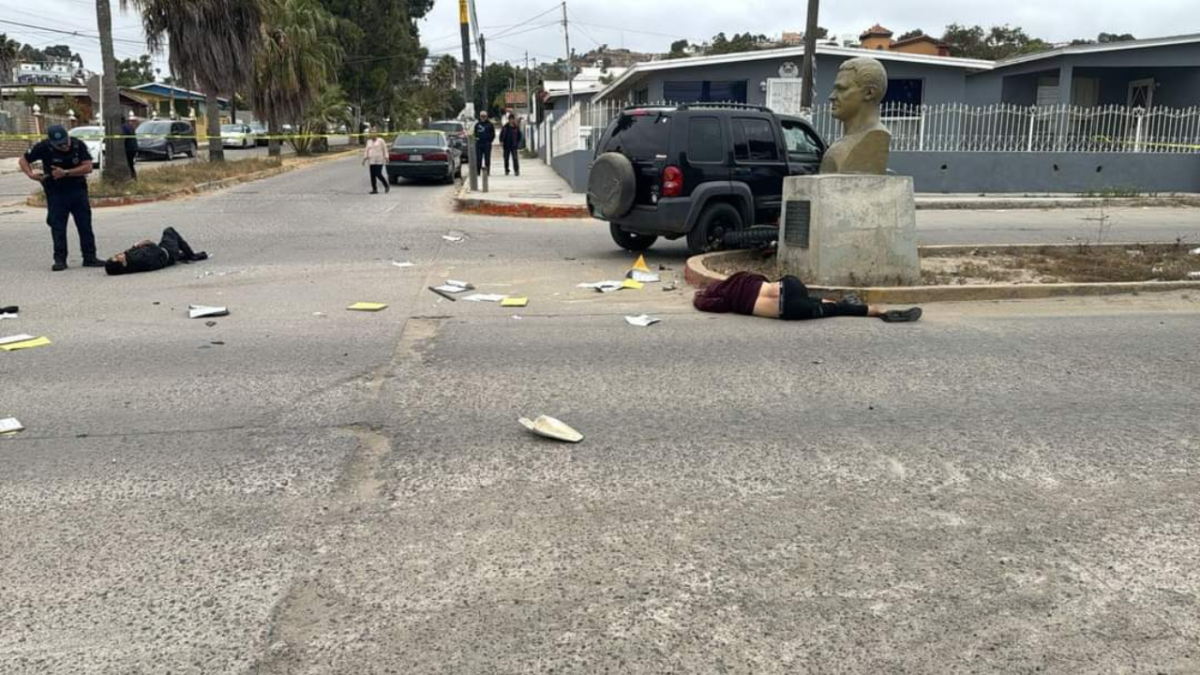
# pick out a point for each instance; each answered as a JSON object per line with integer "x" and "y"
{"x": 453, "y": 237}
{"x": 9, "y": 426}
{"x": 204, "y": 311}
{"x": 670, "y": 286}
{"x": 641, "y": 273}
{"x": 483, "y": 297}
{"x": 449, "y": 295}
{"x": 551, "y": 428}
{"x": 642, "y": 321}
{"x": 453, "y": 288}
{"x": 603, "y": 286}
{"x": 13, "y": 343}
{"x": 401, "y": 264}
{"x": 517, "y": 317}
{"x": 9, "y": 312}
{"x": 318, "y": 313}
{"x": 632, "y": 285}
{"x": 461, "y": 284}
{"x": 514, "y": 302}
{"x": 368, "y": 307}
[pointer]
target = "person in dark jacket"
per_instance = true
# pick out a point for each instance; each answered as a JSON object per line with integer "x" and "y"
{"x": 129, "y": 133}
{"x": 65, "y": 165}
{"x": 485, "y": 135}
{"x": 788, "y": 299}
{"x": 147, "y": 256}
{"x": 511, "y": 139}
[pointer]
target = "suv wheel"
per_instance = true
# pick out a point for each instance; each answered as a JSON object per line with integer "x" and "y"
{"x": 709, "y": 231}
{"x": 631, "y": 241}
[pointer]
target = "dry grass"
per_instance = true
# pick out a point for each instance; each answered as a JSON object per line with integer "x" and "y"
{"x": 171, "y": 178}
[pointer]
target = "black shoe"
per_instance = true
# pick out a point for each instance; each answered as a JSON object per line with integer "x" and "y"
{"x": 199, "y": 256}
{"x": 853, "y": 299}
{"x": 58, "y": 266}
{"x": 901, "y": 315}
{"x": 93, "y": 262}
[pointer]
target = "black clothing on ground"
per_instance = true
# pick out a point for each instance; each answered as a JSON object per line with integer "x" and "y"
{"x": 62, "y": 204}
{"x": 737, "y": 294}
{"x": 151, "y": 257}
{"x": 52, "y": 158}
{"x": 377, "y": 175}
{"x": 796, "y": 305}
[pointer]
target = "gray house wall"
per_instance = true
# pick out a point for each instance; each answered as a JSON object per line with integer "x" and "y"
{"x": 574, "y": 167}
{"x": 1001, "y": 172}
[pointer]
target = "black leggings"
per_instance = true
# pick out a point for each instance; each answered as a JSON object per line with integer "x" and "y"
{"x": 796, "y": 305}
{"x": 377, "y": 175}
{"x": 176, "y": 246}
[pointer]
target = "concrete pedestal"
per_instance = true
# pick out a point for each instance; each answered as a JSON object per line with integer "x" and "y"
{"x": 849, "y": 230}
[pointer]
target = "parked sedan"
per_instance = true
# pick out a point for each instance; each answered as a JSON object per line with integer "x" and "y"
{"x": 457, "y": 131}
{"x": 162, "y": 138}
{"x": 425, "y": 155}
{"x": 238, "y": 136}
{"x": 93, "y": 138}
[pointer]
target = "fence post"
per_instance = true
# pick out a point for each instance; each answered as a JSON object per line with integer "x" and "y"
{"x": 1032, "y": 124}
{"x": 1137, "y": 134}
{"x": 921, "y": 132}
{"x": 550, "y": 138}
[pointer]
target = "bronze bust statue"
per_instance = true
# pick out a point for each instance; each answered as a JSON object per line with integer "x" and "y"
{"x": 865, "y": 142}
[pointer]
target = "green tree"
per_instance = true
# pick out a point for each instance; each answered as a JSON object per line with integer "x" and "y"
{"x": 999, "y": 42}
{"x": 296, "y": 61}
{"x": 678, "y": 49}
{"x": 740, "y": 42}
{"x": 1105, "y": 38}
{"x": 10, "y": 53}
{"x": 132, "y": 72}
{"x": 114, "y": 168}
{"x": 212, "y": 45}
{"x": 916, "y": 32}
{"x": 496, "y": 79}
{"x": 328, "y": 109}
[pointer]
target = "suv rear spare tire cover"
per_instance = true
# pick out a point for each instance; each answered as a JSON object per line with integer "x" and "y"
{"x": 612, "y": 185}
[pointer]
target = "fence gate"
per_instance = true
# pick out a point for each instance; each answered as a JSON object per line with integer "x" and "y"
{"x": 785, "y": 94}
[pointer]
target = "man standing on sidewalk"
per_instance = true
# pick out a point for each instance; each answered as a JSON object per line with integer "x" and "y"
{"x": 376, "y": 155}
{"x": 65, "y": 166}
{"x": 485, "y": 135}
{"x": 129, "y": 133}
{"x": 511, "y": 139}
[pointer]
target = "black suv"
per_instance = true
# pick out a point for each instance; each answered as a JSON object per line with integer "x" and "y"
{"x": 699, "y": 170}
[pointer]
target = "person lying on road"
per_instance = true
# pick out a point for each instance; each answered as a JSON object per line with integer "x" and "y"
{"x": 147, "y": 256}
{"x": 788, "y": 299}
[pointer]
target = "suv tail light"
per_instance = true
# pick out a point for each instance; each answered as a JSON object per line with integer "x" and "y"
{"x": 672, "y": 182}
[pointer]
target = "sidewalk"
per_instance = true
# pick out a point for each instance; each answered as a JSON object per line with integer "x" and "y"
{"x": 9, "y": 165}
{"x": 1008, "y": 202}
{"x": 538, "y": 192}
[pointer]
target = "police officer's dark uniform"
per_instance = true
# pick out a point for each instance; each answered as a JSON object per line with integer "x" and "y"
{"x": 66, "y": 197}
{"x": 485, "y": 134}
{"x": 129, "y": 131}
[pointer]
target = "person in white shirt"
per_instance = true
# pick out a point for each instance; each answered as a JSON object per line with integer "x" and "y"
{"x": 376, "y": 155}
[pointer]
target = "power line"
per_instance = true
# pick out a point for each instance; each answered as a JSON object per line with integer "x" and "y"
{"x": 578, "y": 24}
{"x": 76, "y": 33}
{"x": 508, "y": 32}
{"x": 630, "y": 30}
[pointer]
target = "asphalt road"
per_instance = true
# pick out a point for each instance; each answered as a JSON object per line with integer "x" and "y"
{"x": 1000, "y": 488}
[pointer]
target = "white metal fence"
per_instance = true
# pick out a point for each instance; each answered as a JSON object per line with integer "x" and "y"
{"x": 955, "y": 127}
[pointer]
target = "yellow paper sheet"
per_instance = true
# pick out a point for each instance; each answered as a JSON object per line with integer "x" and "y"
{"x": 631, "y": 284}
{"x": 36, "y": 342}
{"x": 368, "y": 306}
{"x": 514, "y": 302}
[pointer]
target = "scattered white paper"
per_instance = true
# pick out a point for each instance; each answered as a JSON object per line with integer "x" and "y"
{"x": 15, "y": 338}
{"x": 201, "y": 311}
{"x": 7, "y": 316}
{"x": 460, "y": 284}
{"x": 447, "y": 288}
{"x": 483, "y": 297}
{"x": 603, "y": 286}
{"x": 402, "y": 264}
{"x": 642, "y": 321}
{"x": 10, "y": 425}
{"x": 452, "y": 237}
{"x": 643, "y": 277}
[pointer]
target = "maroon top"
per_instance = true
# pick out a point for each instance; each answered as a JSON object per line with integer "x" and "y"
{"x": 736, "y": 294}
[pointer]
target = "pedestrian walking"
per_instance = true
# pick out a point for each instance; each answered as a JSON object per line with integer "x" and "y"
{"x": 485, "y": 135}
{"x": 376, "y": 155}
{"x": 511, "y": 140}
{"x": 129, "y": 133}
{"x": 65, "y": 164}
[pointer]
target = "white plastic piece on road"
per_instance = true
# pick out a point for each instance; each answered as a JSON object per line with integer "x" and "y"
{"x": 643, "y": 277}
{"x": 460, "y": 284}
{"x": 202, "y": 311}
{"x": 641, "y": 321}
{"x": 15, "y": 338}
{"x": 453, "y": 237}
{"x": 482, "y": 297}
{"x": 401, "y": 264}
{"x": 449, "y": 288}
{"x": 603, "y": 286}
{"x": 10, "y": 425}
{"x": 551, "y": 428}
{"x": 7, "y": 316}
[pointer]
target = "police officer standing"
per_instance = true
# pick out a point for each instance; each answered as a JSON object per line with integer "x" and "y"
{"x": 129, "y": 137}
{"x": 65, "y": 166}
{"x": 485, "y": 134}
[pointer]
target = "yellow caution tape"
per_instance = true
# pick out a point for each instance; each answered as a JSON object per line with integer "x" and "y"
{"x": 279, "y": 137}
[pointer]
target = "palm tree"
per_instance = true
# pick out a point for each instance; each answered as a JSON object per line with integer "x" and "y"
{"x": 329, "y": 108}
{"x": 10, "y": 52}
{"x": 212, "y": 45}
{"x": 296, "y": 60}
{"x": 114, "y": 167}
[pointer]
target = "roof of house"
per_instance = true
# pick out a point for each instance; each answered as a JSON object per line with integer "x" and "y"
{"x": 164, "y": 90}
{"x": 1169, "y": 41}
{"x": 918, "y": 38}
{"x": 877, "y": 30}
{"x": 790, "y": 53}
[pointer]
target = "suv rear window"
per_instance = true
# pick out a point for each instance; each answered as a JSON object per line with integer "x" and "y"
{"x": 753, "y": 140}
{"x": 704, "y": 140}
{"x": 639, "y": 136}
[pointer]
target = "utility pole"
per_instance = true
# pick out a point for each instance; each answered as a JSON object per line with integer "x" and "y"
{"x": 570, "y": 74}
{"x": 810, "y": 56}
{"x": 483, "y": 73}
{"x": 528, "y": 102}
{"x": 468, "y": 93}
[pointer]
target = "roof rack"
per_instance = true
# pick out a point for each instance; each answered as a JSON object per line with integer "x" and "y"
{"x": 738, "y": 106}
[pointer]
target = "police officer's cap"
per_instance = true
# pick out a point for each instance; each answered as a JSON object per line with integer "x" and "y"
{"x": 57, "y": 134}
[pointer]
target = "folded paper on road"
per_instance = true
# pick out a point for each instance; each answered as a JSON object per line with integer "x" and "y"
{"x": 552, "y": 428}
{"x": 514, "y": 302}
{"x": 402, "y": 264}
{"x": 642, "y": 321}
{"x": 451, "y": 288}
{"x": 201, "y": 311}
{"x": 483, "y": 297}
{"x": 642, "y": 277}
{"x": 27, "y": 342}
{"x": 632, "y": 285}
{"x": 10, "y": 425}
{"x": 368, "y": 306}
{"x": 604, "y": 286}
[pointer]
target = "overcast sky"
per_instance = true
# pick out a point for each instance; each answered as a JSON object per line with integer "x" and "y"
{"x": 651, "y": 26}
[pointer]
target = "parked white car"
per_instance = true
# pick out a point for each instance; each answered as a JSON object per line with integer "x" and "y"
{"x": 93, "y": 138}
{"x": 238, "y": 136}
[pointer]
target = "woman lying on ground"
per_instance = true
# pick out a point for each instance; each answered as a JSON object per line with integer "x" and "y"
{"x": 788, "y": 299}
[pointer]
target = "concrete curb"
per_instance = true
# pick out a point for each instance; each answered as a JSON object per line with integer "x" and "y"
{"x": 487, "y": 207}
{"x": 697, "y": 273}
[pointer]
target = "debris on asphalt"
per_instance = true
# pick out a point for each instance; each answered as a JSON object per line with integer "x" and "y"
{"x": 514, "y": 302}
{"x": 517, "y": 317}
{"x": 603, "y": 286}
{"x": 9, "y": 426}
{"x": 454, "y": 237}
{"x": 219, "y": 343}
{"x": 632, "y": 285}
{"x": 449, "y": 295}
{"x": 642, "y": 320}
{"x": 664, "y": 268}
{"x": 210, "y": 324}
{"x": 642, "y": 277}
{"x": 368, "y": 307}
{"x": 8, "y": 312}
{"x": 204, "y": 311}
{"x": 460, "y": 284}
{"x": 13, "y": 343}
{"x": 670, "y": 286}
{"x": 318, "y": 313}
{"x": 210, "y": 273}
{"x": 401, "y": 264}
{"x": 551, "y": 428}
{"x": 454, "y": 288}
{"x": 1133, "y": 253}
{"x": 483, "y": 297}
